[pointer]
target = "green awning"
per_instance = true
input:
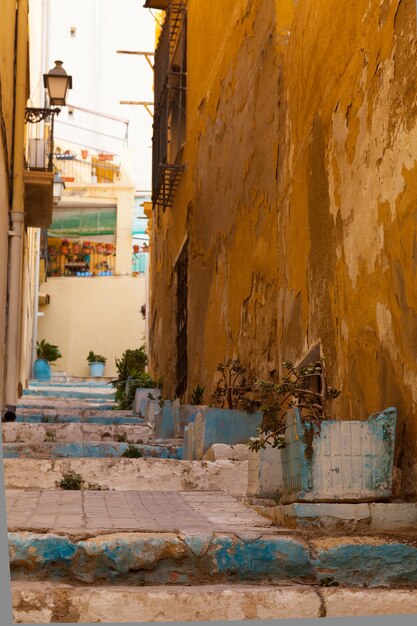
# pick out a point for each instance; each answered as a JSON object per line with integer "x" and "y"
{"x": 82, "y": 223}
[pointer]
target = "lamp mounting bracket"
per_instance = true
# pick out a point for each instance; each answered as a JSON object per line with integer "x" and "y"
{"x": 34, "y": 115}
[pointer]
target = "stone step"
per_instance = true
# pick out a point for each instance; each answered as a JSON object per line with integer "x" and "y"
{"x": 339, "y": 516}
{"x": 122, "y": 473}
{"x": 56, "y": 602}
{"x": 16, "y": 432}
{"x": 45, "y": 602}
{"x": 90, "y": 417}
{"x": 201, "y": 555}
{"x": 86, "y": 449}
{"x": 74, "y": 394}
{"x": 40, "y": 404}
{"x": 160, "y": 558}
{"x": 36, "y": 384}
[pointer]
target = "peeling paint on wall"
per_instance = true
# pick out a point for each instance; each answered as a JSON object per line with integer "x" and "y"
{"x": 299, "y": 200}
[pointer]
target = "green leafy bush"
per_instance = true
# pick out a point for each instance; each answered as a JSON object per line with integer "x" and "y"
{"x": 131, "y": 376}
{"x": 47, "y": 351}
{"x": 235, "y": 387}
{"x": 305, "y": 388}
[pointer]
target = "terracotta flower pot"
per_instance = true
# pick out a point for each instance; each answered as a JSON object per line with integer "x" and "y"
{"x": 135, "y": 248}
{"x": 84, "y": 154}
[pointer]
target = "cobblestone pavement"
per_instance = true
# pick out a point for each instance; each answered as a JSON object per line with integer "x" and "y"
{"x": 76, "y": 512}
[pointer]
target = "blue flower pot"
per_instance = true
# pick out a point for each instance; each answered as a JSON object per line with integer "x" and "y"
{"x": 41, "y": 370}
{"x": 96, "y": 369}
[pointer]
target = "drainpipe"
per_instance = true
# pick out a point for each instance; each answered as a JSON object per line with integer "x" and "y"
{"x": 17, "y": 216}
{"x": 36, "y": 299}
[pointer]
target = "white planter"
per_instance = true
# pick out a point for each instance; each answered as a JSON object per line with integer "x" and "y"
{"x": 342, "y": 460}
{"x": 141, "y": 399}
{"x": 152, "y": 407}
{"x": 265, "y": 476}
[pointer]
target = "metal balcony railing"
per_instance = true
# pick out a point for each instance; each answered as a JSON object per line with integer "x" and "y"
{"x": 170, "y": 106}
{"x": 87, "y": 169}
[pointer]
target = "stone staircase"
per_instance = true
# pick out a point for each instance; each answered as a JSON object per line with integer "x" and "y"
{"x": 158, "y": 538}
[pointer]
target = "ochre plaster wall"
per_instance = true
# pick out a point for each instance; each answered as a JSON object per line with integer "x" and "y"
{"x": 299, "y": 200}
{"x": 7, "y": 30}
{"x": 99, "y": 314}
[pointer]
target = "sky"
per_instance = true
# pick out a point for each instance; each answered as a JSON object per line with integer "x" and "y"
{"x": 85, "y": 35}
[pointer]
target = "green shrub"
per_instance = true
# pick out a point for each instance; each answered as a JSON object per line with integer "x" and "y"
{"x": 131, "y": 376}
{"x": 47, "y": 351}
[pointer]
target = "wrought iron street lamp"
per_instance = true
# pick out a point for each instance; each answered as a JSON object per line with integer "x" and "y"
{"x": 57, "y": 82}
{"x": 59, "y": 186}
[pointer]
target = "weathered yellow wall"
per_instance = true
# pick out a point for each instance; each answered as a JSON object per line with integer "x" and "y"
{"x": 7, "y": 21}
{"x": 227, "y": 199}
{"x": 98, "y": 314}
{"x": 7, "y": 78}
{"x": 299, "y": 200}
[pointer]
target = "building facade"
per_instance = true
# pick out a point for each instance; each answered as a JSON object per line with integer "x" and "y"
{"x": 25, "y": 200}
{"x": 284, "y": 198}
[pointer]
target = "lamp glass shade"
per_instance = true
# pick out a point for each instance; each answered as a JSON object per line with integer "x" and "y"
{"x": 57, "y": 83}
{"x": 59, "y": 187}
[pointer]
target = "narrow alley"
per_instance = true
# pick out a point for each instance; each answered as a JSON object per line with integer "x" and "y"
{"x": 208, "y": 309}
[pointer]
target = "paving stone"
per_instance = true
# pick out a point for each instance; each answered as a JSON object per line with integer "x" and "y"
{"x": 156, "y": 511}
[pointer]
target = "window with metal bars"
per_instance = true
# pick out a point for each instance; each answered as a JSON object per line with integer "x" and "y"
{"x": 181, "y": 269}
{"x": 170, "y": 80}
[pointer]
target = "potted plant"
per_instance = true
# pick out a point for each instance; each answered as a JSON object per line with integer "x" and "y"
{"x": 135, "y": 249}
{"x": 84, "y": 154}
{"x": 46, "y": 353}
{"x": 64, "y": 247}
{"x": 76, "y": 247}
{"x": 324, "y": 459}
{"x": 96, "y": 363}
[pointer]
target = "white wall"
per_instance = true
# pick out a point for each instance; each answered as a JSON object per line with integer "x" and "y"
{"x": 99, "y": 314}
{"x": 101, "y": 78}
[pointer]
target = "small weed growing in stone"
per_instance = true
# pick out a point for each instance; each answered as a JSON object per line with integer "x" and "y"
{"x": 72, "y": 481}
{"x": 132, "y": 452}
{"x": 45, "y": 419}
{"x": 328, "y": 582}
{"x": 50, "y": 436}
{"x": 120, "y": 437}
{"x": 96, "y": 487}
{"x": 139, "y": 441}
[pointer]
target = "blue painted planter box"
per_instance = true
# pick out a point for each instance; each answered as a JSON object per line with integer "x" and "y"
{"x": 228, "y": 426}
{"x": 185, "y": 414}
{"x": 341, "y": 460}
{"x": 164, "y": 422}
